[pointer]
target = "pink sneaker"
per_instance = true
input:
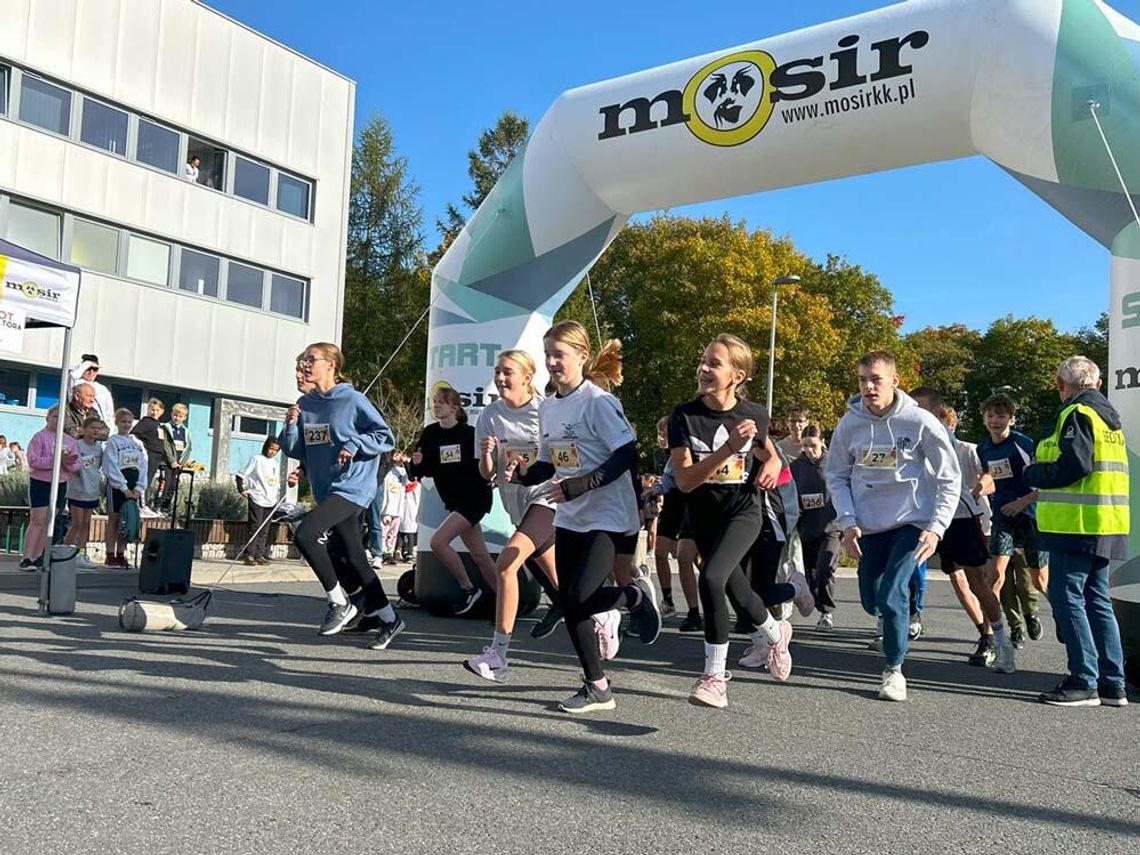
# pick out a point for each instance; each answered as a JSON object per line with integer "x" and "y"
{"x": 711, "y": 691}
{"x": 779, "y": 657}
{"x": 607, "y": 626}
{"x": 804, "y": 599}
{"x": 489, "y": 665}
{"x": 755, "y": 655}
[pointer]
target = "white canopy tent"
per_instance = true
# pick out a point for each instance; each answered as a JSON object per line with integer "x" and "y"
{"x": 46, "y": 292}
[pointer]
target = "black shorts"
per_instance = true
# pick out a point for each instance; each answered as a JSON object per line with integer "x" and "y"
{"x": 627, "y": 543}
{"x": 88, "y": 504}
{"x": 39, "y": 494}
{"x": 115, "y": 499}
{"x": 537, "y": 525}
{"x": 963, "y": 545}
{"x": 672, "y": 515}
{"x": 473, "y": 514}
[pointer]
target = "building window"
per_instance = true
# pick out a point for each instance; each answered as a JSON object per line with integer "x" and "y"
{"x": 251, "y": 180}
{"x": 255, "y": 427}
{"x": 95, "y": 246}
{"x": 148, "y": 260}
{"x": 245, "y": 285}
{"x": 34, "y": 229}
{"x": 212, "y": 169}
{"x": 129, "y": 397}
{"x": 14, "y": 387}
{"x": 5, "y": 79}
{"x": 287, "y": 296}
{"x": 199, "y": 273}
{"x": 45, "y": 106}
{"x": 157, "y": 146}
{"x": 47, "y": 391}
{"x": 104, "y": 127}
{"x": 293, "y": 196}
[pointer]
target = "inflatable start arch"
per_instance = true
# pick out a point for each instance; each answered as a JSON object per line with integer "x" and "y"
{"x": 1022, "y": 82}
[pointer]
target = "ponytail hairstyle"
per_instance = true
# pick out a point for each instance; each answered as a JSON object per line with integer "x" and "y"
{"x": 812, "y": 431}
{"x": 334, "y": 355}
{"x": 524, "y": 361}
{"x": 604, "y": 369}
{"x": 452, "y": 399}
{"x": 740, "y": 357}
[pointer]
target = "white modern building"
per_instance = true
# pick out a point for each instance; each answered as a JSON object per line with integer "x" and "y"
{"x": 199, "y": 287}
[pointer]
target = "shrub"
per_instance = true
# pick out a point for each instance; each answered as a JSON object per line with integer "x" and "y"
{"x": 219, "y": 501}
{"x": 14, "y": 488}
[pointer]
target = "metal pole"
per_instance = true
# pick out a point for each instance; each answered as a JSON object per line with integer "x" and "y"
{"x": 772, "y": 349}
{"x": 57, "y": 458}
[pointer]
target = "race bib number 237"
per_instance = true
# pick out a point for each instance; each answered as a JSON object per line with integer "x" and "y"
{"x": 317, "y": 435}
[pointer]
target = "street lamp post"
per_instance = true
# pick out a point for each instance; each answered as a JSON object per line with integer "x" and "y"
{"x": 783, "y": 280}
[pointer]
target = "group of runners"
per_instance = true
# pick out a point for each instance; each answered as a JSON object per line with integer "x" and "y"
{"x": 892, "y": 488}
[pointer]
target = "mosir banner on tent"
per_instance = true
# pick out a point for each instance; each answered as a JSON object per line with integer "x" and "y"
{"x": 45, "y": 293}
{"x": 1022, "y": 82}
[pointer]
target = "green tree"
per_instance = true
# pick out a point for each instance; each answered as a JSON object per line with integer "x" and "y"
{"x": 1023, "y": 354}
{"x": 386, "y": 283}
{"x": 1093, "y": 343}
{"x": 496, "y": 147}
{"x": 945, "y": 356}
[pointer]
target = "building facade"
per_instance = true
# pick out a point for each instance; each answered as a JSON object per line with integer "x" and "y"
{"x": 198, "y": 173}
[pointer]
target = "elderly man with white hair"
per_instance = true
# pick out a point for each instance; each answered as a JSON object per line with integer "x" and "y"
{"x": 1081, "y": 477}
{"x": 87, "y": 371}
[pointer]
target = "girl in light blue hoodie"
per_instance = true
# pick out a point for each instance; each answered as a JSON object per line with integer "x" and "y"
{"x": 339, "y": 436}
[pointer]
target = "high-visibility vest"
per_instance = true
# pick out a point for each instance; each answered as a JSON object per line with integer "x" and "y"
{"x": 1098, "y": 503}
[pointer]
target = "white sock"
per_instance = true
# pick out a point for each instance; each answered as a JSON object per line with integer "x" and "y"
{"x": 1000, "y": 634}
{"x": 388, "y": 614}
{"x": 716, "y": 658}
{"x": 500, "y": 643}
{"x": 769, "y": 630}
{"x": 337, "y": 596}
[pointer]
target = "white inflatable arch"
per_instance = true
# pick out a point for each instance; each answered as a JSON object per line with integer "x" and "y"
{"x": 1030, "y": 84}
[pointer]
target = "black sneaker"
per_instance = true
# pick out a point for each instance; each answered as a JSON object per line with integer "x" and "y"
{"x": 1033, "y": 624}
{"x": 984, "y": 653}
{"x": 1068, "y": 694}
{"x": 27, "y": 565}
{"x": 548, "y": 624}
{"x": 468, "y": 602}
{"x": 363, "y": 623}
{"x": 1017, "y": 637}
{"x": 588, "y": 699}
{"x": 336, "y": 618}
{"x": 693, "y": 622}
{"x": 1112, "y": 696}
{"x": 387, "y": 632}
{"x": 646, "y": 613}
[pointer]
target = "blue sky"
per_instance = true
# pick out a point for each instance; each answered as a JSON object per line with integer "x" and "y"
{"x": 970, "y": 245}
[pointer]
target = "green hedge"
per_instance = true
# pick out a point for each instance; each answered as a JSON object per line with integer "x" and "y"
{"x": 14, "y": 489}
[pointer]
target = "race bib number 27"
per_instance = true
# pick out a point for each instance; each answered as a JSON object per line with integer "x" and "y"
{"x": 880, "y": 457}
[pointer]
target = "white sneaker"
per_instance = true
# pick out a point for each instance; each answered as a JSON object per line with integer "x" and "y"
{"x": 1005, "y": 659}
{"x": 785, "y": 610}
{"x": 376, "y": 563}
{"x": 85, "y": 563}
{"x": 893, "y": 687}
{"x": 756, "y": 655}
{"x": 607, "y": 627}
{"x": 826, "y": 622}
{"x": 489, "y": 665}
{"x": 804, "y": 599}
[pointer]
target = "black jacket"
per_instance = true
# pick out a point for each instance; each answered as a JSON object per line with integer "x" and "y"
{"x": 1073, "y": 464}
{"x": 811, "y": 480}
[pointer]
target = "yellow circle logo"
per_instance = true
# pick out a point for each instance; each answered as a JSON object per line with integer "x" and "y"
{"x": 727, "y": 101}
{"x": 31, "y": 290}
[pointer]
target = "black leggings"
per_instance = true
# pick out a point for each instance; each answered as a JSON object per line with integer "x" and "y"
{"x": 721, "y": 572}
{"x": 584, "y": 561}
{"x": 336, "y": 517}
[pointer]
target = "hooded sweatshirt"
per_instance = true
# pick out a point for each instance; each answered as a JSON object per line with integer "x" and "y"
{"x": 341, "y": 418}
{"x": 817, "y": 516}
{"x": 893, "y": 470}
{"x": 1074, "y": 463}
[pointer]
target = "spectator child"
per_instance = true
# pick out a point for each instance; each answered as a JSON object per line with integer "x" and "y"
{"x": 41, "y": 457}
{"x": 125, "y": 468}
{"x": 260, "y": 483}
{"x": 83, "y": 488}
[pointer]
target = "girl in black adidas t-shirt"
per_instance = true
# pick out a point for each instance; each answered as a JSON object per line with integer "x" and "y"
{"x": 446, "y": 453}
{"x": 721, "y": 454}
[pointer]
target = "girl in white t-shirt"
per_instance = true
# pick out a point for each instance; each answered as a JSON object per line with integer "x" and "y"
{"x": 260, "y": 482}
{"x": 586, "y": 451}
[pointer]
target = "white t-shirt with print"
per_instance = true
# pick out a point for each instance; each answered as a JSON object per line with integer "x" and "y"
{"x": 262, "y": 479}
{"x": 579, "y": 432}
{"x": 517, "y": 430}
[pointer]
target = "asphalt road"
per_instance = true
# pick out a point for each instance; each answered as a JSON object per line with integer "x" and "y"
{"x": 257, "y": 736}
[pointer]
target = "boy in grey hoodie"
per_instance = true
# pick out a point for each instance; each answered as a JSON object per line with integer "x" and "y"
{"x": 894, "y": 481}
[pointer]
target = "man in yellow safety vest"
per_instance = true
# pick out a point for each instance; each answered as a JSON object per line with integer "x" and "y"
{"x": 1081, "y": 478}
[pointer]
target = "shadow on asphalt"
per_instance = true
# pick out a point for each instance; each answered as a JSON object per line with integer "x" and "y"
{"x": 263, "y": 623}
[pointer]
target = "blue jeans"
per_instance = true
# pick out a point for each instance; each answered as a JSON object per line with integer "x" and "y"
{"x": 1078, "y": 593}
{"x": 375, "y": 532}
{"x": 918, "y": 590}
{"x": 885, "y": 571}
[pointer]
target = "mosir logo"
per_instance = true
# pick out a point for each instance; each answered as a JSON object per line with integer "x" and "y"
{"x": 730, "y": 100}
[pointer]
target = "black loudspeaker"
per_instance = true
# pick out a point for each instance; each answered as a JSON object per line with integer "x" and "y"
{"x": 168, "y": 556}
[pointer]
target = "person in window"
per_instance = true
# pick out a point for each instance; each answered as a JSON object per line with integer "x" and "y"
{"x": 190, "y": 171}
